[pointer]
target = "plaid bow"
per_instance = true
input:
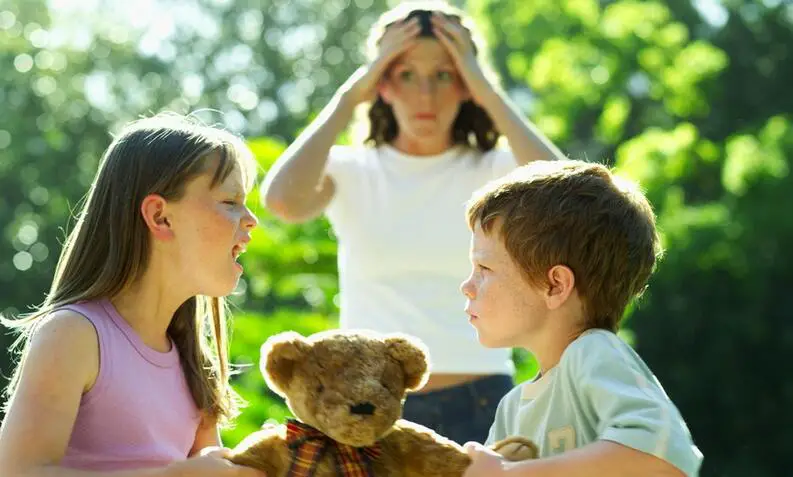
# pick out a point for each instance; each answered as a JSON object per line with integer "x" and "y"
{"x": 308, "y": 445}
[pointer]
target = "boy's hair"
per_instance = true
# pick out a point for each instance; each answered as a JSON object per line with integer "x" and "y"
{"x": 110, "y": 246}
{"x": 576, "y": 214}
{"x": 473, "y": 126}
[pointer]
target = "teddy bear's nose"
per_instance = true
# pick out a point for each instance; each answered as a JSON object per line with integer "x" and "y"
{"x": 362, "y": 408}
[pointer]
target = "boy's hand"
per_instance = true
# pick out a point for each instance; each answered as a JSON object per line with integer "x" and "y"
{"x": 484, "y": 462}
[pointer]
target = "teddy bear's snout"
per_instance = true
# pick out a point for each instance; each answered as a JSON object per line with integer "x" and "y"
{"x": 362, "y": 408}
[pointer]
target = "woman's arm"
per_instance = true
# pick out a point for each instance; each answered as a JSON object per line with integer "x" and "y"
{"x": 525, "y": 140}
{"x": 296, "y": 188}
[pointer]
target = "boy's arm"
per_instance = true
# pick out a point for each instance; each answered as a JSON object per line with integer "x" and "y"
{"x": 600, "y": 458}
{"x": 631, "y": 411}
{"x": 639, "y": 430}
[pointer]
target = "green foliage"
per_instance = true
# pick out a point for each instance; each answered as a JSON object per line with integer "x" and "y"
{"x": 698, "y": 112}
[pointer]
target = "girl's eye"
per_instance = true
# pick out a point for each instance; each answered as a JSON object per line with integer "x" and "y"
{"x": 231, "y": 202}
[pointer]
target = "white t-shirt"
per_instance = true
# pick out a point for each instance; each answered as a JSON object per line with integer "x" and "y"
{"x": 600, "y": 390}
{"x": 403, "y": 247}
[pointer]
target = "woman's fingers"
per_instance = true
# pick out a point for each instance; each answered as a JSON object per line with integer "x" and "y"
{"x": 396, "y": 39}
{"x": 452, "y": 31}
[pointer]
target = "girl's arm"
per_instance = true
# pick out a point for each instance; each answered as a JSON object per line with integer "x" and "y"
{"x": 61, "y": 365}
{"x": 207, "y": 436}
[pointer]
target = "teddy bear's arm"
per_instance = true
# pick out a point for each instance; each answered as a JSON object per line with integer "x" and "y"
{"x": 516, "y": 448}
{"x": 418, "y": 452}
{"x": 265, "y": 450}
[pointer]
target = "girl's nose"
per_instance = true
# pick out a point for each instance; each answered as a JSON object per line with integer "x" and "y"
{"x": 249, "y": 221}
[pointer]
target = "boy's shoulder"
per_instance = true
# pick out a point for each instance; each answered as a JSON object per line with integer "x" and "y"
{"x": 594, "y": 339}
{"x": 598, "y": 348}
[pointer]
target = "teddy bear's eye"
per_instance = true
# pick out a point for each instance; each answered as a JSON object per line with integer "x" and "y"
{"x": 320, "y": 387}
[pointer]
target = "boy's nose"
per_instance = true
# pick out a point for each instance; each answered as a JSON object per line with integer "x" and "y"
{"x": 467, "y": 288}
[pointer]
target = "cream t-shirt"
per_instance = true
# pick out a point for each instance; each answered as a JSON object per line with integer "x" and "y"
{"x": 403, "y": 247}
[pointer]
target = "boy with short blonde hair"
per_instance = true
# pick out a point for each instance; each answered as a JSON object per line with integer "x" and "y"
{"x": 559, "y": 249}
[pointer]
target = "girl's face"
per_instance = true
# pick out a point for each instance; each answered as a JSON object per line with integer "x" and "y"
{"x": 425, "y": 91}
{"x": 211, "y": 228}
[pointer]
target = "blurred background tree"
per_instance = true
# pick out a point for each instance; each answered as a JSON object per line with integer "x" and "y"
{"x": 690, "y": 97}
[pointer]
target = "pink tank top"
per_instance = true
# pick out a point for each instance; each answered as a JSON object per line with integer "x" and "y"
{"x": 139, "y": 413}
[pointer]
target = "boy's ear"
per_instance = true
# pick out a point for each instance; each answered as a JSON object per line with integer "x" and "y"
{"x": 561, "y": 283}
{"x": 280, "y": 355}
{"x": 154, "y": 213}
{"x": 412, "y": 355}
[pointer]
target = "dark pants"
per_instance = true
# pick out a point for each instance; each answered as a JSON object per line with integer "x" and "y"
{"x": 461, "y": 413}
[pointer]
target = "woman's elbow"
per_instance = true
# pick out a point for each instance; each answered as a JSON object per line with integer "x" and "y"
{"x": 284, "y": 208}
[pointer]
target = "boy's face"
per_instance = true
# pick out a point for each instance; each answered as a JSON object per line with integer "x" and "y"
{"x": 505, "y": 309}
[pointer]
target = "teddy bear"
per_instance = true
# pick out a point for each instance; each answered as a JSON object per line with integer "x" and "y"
{"x": 346, "y": 389}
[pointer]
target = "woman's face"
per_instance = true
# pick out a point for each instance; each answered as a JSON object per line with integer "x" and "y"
{"x": 424, "y": 90}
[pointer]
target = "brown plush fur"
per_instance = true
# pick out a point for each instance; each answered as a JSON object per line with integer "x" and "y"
{"x": 322, "y": 377}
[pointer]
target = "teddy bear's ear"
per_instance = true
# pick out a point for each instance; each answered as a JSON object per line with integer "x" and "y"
{"x": 279, "y": 356}
{"x": 412, "y": 354}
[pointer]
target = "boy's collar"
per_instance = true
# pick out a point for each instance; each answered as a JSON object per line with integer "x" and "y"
{"x": 532, "y": 389}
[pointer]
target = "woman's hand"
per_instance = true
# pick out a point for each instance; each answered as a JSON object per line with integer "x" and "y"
{"x": 460, "y": 46}
{"x": 397, "y": 39}
{"x": 212, "y": 462}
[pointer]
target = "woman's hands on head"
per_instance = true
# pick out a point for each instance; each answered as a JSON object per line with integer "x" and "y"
{"x": 458, "y": 42}
{"x": 400, "y": 37}
{"x": 397, "y": 39}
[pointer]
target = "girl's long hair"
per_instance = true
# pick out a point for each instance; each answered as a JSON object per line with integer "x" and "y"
{"x": 109, "y": 247}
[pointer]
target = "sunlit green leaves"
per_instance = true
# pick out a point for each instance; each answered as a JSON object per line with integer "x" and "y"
{"x": 750, "y": 159}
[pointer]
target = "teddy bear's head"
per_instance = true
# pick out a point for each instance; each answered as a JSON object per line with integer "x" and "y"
{"x": 350, "y": 385}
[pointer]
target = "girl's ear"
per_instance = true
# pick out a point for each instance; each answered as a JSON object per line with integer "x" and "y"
{"x": 154, "y": 213}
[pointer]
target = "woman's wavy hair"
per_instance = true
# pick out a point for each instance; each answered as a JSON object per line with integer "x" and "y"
{"x": 473, "y": 127}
